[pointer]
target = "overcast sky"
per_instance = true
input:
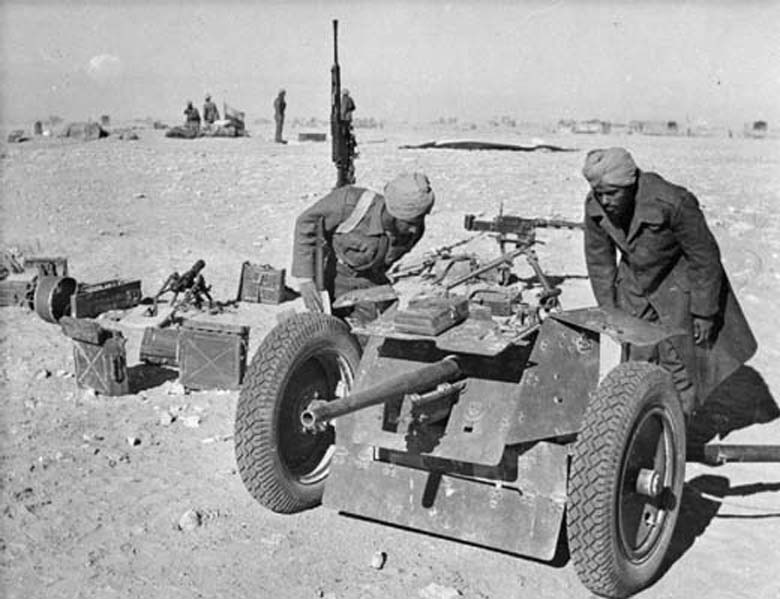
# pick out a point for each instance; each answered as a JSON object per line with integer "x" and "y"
{"x": 403, "y": 60}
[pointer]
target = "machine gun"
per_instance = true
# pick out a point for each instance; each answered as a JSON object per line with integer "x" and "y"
{"x": 342, "y": 139}
{"x": 516, "y": 230}
{"x": 191, "y": 283}
{"x": 520, "y": 232}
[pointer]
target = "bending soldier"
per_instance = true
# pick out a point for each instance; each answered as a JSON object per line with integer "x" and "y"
{"x": 364, "y": 234}
{"x": 669, "y": 272}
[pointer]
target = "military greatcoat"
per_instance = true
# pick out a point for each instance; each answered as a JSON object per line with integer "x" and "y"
{"x": 669, "y": 270}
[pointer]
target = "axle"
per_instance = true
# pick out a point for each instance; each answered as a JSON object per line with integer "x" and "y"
{"x": 716, "y": 454}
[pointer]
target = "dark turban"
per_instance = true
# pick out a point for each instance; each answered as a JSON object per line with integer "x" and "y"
{"x": 613, "y": 167}
{"x": 409, "y": 196}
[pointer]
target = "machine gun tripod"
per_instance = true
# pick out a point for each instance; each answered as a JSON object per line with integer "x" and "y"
{"x": 191, "y": 284}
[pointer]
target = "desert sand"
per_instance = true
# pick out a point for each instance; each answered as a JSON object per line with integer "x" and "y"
{"x": 85, "y": 514}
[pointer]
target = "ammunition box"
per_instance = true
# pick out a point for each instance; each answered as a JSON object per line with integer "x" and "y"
{"x": 92, "y": 300}
{"x": 212, "y": 356}
{"x": 431, "y": 316}
{"x": 81, "y": 329}
{"x": 261, "y": 283}
{"x": 54, "y": 266}
{"x": 500, "y": 302}
{"x": 17, "y": 290}
{"x": 160, "y": 346}
{"x": 100, "y": 366}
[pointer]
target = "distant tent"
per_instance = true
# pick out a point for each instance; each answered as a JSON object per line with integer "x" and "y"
{"x": 84, "y": 131}
{"x": 237, "y": 118}
{"x": 484, "y": 145}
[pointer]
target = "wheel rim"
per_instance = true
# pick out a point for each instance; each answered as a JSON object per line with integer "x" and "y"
{"x": 646, "y": 485}
{"x": 320, "y": 375}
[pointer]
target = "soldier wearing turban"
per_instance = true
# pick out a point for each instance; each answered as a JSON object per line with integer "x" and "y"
{"x": 668, "y": 271}
{"x": 365, "y": 233}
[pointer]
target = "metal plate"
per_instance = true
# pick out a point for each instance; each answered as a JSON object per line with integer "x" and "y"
{"x": 563, "y": 370}
{"x": 619, "y": 325}
{"x": 522, "y": 516}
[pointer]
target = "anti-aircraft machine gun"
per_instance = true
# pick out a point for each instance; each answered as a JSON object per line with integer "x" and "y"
{"x": 342, "y": 138}
{"x": 497, "y": 430}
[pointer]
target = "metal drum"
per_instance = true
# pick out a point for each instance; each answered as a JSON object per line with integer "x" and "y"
{"x": 52, "y": 297}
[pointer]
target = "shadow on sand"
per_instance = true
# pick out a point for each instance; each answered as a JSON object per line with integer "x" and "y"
{"x": 146, "y": 376}
{"x": 740, "y": 401}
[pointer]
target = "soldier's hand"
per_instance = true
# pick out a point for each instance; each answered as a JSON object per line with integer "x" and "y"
{"x": 702, "y": 330}
{"x": 311, "y": 296}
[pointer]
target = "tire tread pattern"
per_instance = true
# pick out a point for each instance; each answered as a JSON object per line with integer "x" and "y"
{"x": 597, "y": 454}
{"x": 256, "y": 448}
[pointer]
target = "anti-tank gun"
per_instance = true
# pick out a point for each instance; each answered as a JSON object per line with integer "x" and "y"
{"x": 497, "y": 431}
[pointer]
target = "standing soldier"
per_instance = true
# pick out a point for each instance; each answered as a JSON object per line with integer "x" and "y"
{"x": 279, "y": 107}
{"x": 347, "y": 106}
{"x": 191, "y": 117}
{"x": 669, "y": 272}
{"x": 210, "y": 111}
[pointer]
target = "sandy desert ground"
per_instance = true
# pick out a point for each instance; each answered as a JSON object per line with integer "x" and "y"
{"x": 84, "y": 514}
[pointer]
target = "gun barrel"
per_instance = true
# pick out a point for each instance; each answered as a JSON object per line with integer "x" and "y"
{"x": 553, "y": 223}
{"x": 318, "y": 412}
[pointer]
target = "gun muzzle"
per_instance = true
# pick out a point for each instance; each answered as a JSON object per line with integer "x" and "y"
{"x": 319, "y": 412}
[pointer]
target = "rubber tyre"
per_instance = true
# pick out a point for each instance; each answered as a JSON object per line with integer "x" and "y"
{"x": 618, "y": 537}
{"x": 306, "y": 356}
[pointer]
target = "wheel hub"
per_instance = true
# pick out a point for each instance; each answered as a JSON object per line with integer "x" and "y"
{"x": 648, "y": 482}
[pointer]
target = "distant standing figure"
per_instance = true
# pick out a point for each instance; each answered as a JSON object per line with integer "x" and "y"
{"x": 279, "y": 107}
{"x": 191, "y": 117}
{"x": 347, "y": 106}
{"x": 210, "y": 111}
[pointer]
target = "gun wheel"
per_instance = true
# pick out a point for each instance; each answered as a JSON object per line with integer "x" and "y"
{"x": 626, "y": 480}
{"x": 309, "y": 356}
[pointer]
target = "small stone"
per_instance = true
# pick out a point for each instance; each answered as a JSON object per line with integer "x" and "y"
{"x": 42, "y": 374}
{"x": 191, "y": 421}
{"x": 64, "y": 374}
{"x": 378, "y": 560}
{"x": 89, "y": 394}
{"x": 176, "y": 388}
{"x": 189, "y": 521}
{"x": 141, "y": 194}
{"x": 133, "y": 441}
{"x": 438, "y": 591}
{"x": 166, "y": 419}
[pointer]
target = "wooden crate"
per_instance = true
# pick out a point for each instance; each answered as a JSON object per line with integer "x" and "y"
{"x": 261, "y": 283}
{"x": 211, "y": 355}
{"x": 101, "y": 366}
{"x": 160, "y": 346}
{"x": 92, "y": 300}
